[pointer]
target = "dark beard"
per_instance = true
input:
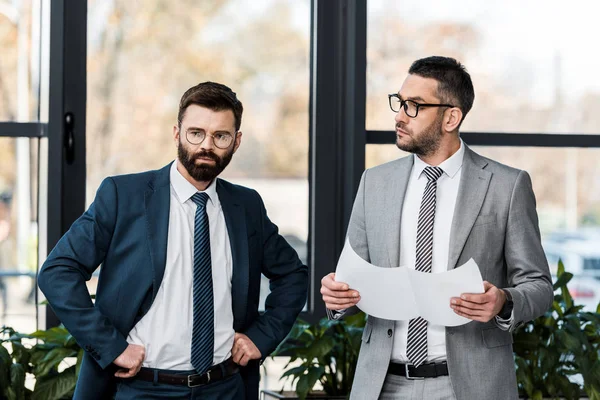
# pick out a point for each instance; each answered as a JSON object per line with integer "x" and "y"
{"x": 427, "y": 143}
{"x": 203, "y": 173}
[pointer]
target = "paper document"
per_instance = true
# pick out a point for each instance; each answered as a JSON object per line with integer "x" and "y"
{"x": 403, "y": 293}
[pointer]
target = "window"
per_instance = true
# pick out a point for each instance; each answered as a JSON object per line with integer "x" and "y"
{"x": 18, "y": 232}
{"x": 526, "y": 80}
{"x": 20, "y": 94}
{"x": 20, "y": 62}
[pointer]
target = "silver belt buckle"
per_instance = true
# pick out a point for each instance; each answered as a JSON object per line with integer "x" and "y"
{"x": 190, "y": 385}
{"x": 408, "y": 375}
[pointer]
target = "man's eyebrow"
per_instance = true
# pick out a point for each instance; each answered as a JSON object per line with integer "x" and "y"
{"x": 413, "y": 98}
{"x": 195, "y": 128}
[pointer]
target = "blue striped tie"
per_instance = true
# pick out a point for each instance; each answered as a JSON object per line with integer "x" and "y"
{"x": 203, "y": 329}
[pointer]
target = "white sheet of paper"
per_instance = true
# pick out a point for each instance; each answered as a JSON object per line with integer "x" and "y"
{"x": 403, "y": 293}
{"x": 378, "y": 287}
{"x": 434, "y": 291}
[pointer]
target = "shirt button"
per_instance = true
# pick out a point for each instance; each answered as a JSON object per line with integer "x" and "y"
{"x": 389, "y": 333}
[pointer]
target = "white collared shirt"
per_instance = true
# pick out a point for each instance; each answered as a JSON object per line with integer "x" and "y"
{"x": 166, "y": 330}
{"x": 447, "y": 191}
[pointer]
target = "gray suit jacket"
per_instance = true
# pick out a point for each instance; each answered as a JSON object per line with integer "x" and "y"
{"x": 495, "y": 223}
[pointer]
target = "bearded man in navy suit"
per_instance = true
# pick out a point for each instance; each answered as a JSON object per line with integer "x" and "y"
{"x": 182, "y": 252}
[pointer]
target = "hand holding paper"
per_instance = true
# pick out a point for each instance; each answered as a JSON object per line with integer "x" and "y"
{"x": 403, "y": 293}
{"x": 337, "y": 295}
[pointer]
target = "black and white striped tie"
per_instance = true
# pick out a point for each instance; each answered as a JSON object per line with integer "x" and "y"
{"x": 416, "y": 346}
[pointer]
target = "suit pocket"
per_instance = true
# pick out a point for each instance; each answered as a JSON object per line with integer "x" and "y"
{"x": 366, "y": 336}
{"x": 485, "y": 219}
{"x": 495, "y": 337}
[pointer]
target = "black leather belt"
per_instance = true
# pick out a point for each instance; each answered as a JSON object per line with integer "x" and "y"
{"x": 430, "y": 370}
{"x": 215, "y": 373}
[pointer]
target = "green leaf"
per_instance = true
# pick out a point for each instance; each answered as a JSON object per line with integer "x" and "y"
{"x": 561, "y": 268}
{"x": 20, "y": 353}
{"x": 321, "y": 347}
{"x": 307, "y": 381}
{"x": 17, "y": 380}
{"x": 57, "y": 335}
{"x": 296, "y": 372}
{"x": 52, "y": 359}
{"x": 357, "y": 320}
{"x": 5, "y": 364}
{"x": 562, "y": 280}
{"x": 10, "y": 394}
{"x": 55, "y": 387}
{"x": 569, "y": 341}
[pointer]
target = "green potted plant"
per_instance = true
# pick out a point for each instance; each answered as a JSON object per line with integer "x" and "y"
{"x": 41, "y": 360}
{"x": 563, "y": 343}
{"x": 328, "y": 351}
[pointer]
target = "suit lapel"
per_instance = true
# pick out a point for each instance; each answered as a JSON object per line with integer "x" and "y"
{"x": 474, "y": 183}
{"x": 235, "y": 219}
{"x": 157, "y": 200}
{"x": 398, "y": 182}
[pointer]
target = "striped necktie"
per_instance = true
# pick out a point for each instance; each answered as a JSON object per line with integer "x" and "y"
{"x": 203, "y": 324}
{"x": 416, "y": 346}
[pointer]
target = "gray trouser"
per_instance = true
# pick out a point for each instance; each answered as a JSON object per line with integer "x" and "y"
{"x": 399, "y": 388}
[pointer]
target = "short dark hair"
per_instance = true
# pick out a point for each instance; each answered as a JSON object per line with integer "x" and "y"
{"x": 454, "y": 82}
{"x": 214, "y": 96}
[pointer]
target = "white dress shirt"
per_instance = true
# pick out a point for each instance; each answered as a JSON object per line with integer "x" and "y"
{"x": 447, "y": 191}
{"x": 166, "y": 330}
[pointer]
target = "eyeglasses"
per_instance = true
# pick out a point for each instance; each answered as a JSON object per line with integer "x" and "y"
{"x": 221, "y": 140}
{"x": 411, "y": 108}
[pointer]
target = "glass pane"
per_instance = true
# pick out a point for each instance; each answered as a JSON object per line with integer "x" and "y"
{"x": 18, "y": 232}
{"x": 567, "y": 191}
{"x": 137, "y": 75}
{"x": 20, "y": 60}
{"x": 526, "y": 80}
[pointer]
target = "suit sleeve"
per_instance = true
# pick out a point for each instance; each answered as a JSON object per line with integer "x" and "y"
{"x": 357, "y": 235}
{"x": 288, "y": 282}
{"x": 528, "y": 273}
{"x": 71, "y": 263}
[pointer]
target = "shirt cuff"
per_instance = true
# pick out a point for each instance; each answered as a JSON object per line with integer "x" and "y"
{"x": 505, "y": 324}
{"x": 335, "y": 315}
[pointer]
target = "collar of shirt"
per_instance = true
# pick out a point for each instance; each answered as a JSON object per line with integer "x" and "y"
{"x": 450, "y": 166}
{"x": 184, "y": 190}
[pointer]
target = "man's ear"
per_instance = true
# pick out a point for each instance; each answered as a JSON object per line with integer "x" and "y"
{"x": 452, "y": 119}
{"x": 238, "y": 141}
{"x": 176, "y": 135}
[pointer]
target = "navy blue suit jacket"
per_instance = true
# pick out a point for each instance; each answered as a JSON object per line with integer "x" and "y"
{"x": 125, "y": 229}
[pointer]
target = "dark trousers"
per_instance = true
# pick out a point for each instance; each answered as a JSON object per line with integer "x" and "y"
{"x": 230, "y": 388}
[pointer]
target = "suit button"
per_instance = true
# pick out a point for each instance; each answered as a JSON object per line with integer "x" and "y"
{"x": 390, "y": 333}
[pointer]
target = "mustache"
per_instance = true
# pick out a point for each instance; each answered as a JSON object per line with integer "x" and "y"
{"x": 206, "y": 154}
{"x": 400, "y": 125}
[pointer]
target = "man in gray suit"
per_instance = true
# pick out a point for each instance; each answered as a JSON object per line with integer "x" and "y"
{"x": 434, "y": 210}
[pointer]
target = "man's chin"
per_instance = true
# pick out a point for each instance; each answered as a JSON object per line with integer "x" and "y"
{"x": 404, "y": 145}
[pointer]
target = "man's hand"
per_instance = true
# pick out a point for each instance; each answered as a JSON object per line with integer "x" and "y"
{"x": 480, "y": 307}
{"x": 337, "y": 295}
{"x": 244, "y": 350}
{"x": 130, "y": 361}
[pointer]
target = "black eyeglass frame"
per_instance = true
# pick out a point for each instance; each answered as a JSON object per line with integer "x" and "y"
{"x": 417, "y": 105}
